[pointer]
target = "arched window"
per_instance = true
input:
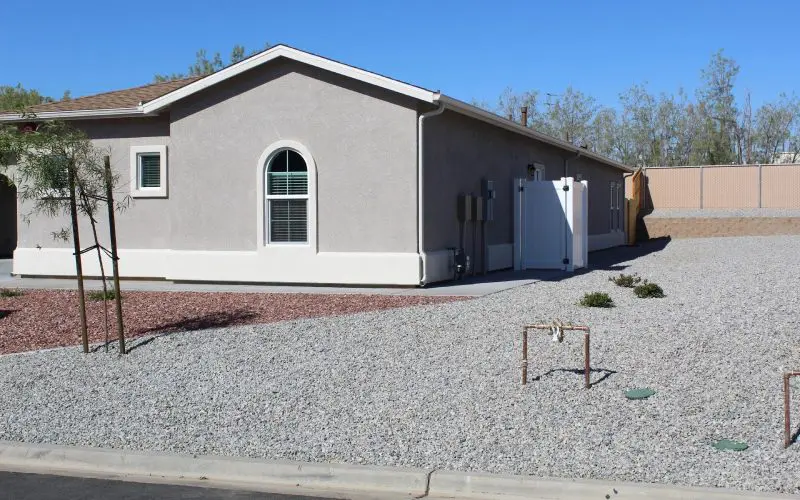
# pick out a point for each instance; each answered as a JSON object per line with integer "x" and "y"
{"x": 287, "y": 198}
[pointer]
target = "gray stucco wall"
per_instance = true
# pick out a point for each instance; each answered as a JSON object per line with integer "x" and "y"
{"x": 460, "y": 151}
{"x": 146, "y": 222}
{"x": 363, "y": 141}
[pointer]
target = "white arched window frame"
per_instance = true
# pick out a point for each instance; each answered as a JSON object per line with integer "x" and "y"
{"x": 272, "y": 205}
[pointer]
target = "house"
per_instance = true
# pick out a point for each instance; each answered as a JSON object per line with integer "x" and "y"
{"x": 290, "y": 167}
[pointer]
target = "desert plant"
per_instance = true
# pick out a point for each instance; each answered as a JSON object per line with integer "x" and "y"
{"x": 98, "y": 295}
{"x": 597, "y": 299}
{"x": 648, "y": 290}
{"x": 7, "y": 293}
{"x": 626, "y": 280}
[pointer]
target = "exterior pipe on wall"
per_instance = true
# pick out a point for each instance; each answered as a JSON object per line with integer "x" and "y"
{"x": 420, "y": 192}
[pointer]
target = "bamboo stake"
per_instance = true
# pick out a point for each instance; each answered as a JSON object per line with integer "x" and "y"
{"x": 73, "y": 208}
{"x": 112, "y": 228}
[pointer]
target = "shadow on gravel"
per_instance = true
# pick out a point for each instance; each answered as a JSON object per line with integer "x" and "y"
{"x": 578, "y": 371}
{"x": 605, "y": 260}
{"x": 4, "y": 313}
{"x": 204, "y": 322}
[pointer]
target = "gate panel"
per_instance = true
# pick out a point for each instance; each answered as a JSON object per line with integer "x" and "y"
{"x": 545, "y": 225}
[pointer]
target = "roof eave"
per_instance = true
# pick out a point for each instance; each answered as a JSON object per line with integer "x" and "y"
{"x": 489, "y": 117}
{"x": 162, "y": 102}
{"x": 83, "y": 114}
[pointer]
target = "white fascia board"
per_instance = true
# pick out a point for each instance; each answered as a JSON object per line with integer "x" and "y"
{"x": 489, "y": 117}
{"x": 295, "y": 55}
{"x": 73, "y": 115}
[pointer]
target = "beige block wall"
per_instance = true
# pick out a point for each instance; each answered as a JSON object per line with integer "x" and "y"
{"x": 673, "y": 188}
{"x": 730, "y": 187}
{"x": 734, "y": 186}
{"x": 780, "y": 186}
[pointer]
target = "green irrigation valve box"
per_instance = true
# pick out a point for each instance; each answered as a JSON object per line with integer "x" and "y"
{"x": 642, "y": 393}
{"x": 727, "y": 444}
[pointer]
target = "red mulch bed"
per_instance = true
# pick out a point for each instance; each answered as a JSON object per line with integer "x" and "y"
{"x": 42, "y": 319}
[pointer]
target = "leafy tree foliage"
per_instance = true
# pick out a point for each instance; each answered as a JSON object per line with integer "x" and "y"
{"x": 17, "y": 98}
{"x": 203, "y": 65}
{"x": 645, "y": 129}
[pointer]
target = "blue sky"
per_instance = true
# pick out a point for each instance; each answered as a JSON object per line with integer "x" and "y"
{"x": 467, "y": 49}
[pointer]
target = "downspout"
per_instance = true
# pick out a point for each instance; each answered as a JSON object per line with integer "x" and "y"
{"x": 420, "y": 185}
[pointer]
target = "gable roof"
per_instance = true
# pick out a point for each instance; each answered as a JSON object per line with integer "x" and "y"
{"x": 153, "y": 98}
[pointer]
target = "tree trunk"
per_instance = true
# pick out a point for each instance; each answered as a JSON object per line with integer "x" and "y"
{"x": 112, "y": 228}
{"x": 73, "y": 209}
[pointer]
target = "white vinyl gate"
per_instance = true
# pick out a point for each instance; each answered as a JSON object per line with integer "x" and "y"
{"x": 551, "y": 224}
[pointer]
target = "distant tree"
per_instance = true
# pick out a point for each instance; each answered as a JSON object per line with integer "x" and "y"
{"x": 777, "y": 129}
{"x": 18, "y": 98}
{"x": 718, "y": 114}
{"x": 205, "y": 66}
{"x": 570, "y": 116}
{"x": 509, "y": 105}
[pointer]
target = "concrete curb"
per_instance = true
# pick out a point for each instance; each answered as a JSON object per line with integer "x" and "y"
{"x": 462, "y": 485}
{"x": 285, "y": 473}
{"x": 392, "y": 482}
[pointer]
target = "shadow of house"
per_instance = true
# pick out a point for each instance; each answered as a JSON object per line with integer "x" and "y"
{"x": 8, "y": 217}
{"x": 611, "y": 259}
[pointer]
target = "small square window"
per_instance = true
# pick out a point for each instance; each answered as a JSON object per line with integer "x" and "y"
{"x": 149, "y": 171}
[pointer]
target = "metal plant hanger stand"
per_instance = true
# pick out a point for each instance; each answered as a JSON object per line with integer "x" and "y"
{"x": 787, "y": 415}
{"x": 556, "y": 329}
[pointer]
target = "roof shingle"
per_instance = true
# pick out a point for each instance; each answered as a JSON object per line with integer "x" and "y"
{"x": 117, "y": 99}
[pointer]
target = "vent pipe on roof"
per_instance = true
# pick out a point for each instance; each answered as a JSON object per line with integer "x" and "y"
{"x": 524, "y": 116}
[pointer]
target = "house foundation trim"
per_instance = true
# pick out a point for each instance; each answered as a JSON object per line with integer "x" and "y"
{"x": 352, "y": 268}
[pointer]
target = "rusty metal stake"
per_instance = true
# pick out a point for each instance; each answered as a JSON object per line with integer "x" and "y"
{"x": 787, "y": 416}
{"x": 524, "y": 356}
{"x": 586, "y": 357}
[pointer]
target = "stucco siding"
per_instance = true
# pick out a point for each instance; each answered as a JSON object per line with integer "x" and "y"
{"x": 362, "y": 139}
{"x": 146, "y": 222}
{"x": 460, "y": 151}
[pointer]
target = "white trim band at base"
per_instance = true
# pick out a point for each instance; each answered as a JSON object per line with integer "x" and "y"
{"x": 351, "y": 268}
{"x": 607, "y": 240}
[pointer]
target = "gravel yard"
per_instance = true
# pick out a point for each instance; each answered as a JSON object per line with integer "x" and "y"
{"x": 41, "y": 319}
{"x": 438, "y": 385}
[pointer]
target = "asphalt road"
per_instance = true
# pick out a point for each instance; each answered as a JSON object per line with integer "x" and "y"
{"x": 18, "y": 486}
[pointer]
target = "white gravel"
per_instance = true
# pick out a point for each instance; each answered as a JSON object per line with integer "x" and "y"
{"x": 438, "y": 386}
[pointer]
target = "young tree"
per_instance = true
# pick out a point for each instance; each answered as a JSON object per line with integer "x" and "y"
{"x": 58, "y": 171}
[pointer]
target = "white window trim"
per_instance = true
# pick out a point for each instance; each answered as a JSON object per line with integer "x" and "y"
{"x": 140, "y": 192}
{"x": 263, "y": 202}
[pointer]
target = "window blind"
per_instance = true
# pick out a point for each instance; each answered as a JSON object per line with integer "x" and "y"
{"x": 287, "y": 183}
{"x": 150, "y": 171}
{"x": 288, "y": 221}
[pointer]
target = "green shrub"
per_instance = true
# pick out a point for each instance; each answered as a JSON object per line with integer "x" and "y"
{"x": 98, "y": 295}
{"x": 597, "y": 299}
{"x": 648, "y": 290}
{"x": 8, "y": 293}
{"x": 626, "y": 280}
